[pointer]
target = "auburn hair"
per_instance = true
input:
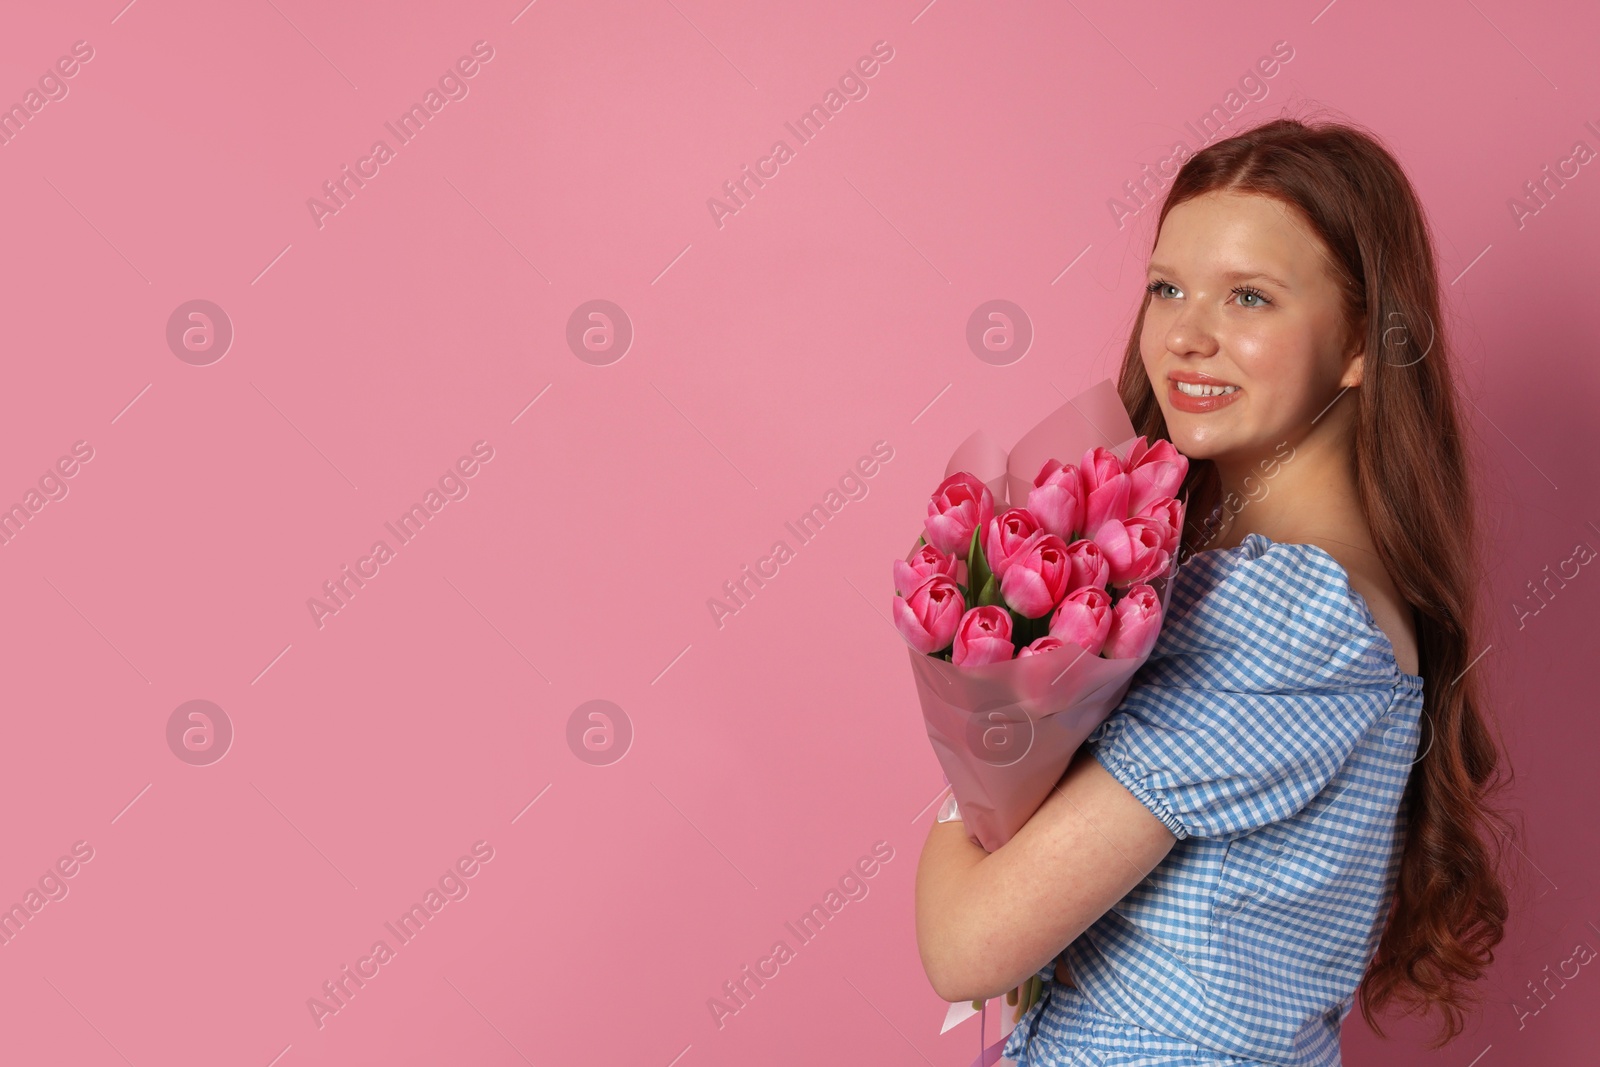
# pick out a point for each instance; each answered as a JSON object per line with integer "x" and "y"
{"x": 1449, "y": 906}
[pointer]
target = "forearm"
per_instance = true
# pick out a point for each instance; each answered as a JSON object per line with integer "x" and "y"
{"x": 987, "y": 921}
{"x": 955, "y": 924}
{"x": 943, "y": 882}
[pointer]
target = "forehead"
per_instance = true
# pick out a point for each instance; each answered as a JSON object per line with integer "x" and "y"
{"x": 1234, "y": 234}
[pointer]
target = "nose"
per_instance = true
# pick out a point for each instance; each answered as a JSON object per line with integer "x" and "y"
{"x": 1189, "y": 333}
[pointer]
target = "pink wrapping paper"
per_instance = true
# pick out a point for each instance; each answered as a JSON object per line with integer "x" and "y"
{"x": 1005, "y": 732}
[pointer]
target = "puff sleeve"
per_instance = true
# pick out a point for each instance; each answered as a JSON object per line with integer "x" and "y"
{"x": 1266, "y": 676}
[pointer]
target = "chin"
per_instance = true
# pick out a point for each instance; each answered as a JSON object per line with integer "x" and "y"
{"x": 1195, "y": 452}
{"x": 1189, "y": 440}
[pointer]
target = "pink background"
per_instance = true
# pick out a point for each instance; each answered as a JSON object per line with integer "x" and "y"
{"x": 768, "y": 754}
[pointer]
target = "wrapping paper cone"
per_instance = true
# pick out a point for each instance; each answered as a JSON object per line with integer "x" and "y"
{"x": 1005, "y": 732}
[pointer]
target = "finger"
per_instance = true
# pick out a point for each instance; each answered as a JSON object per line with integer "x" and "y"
{"x": 1011, "y": 997}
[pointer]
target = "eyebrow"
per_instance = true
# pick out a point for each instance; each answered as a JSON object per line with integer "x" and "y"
{"x": 1231, "y": 276}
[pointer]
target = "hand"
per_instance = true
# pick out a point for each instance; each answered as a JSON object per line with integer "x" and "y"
{"x": 1063, "y": 976}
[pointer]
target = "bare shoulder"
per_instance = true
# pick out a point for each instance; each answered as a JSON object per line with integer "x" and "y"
{"x": 1389, "y": 609}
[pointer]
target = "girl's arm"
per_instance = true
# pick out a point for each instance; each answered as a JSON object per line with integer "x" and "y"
{"x": 986, "y": 921}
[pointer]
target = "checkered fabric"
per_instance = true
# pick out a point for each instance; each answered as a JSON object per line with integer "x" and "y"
{"x": 1273, "y": 732}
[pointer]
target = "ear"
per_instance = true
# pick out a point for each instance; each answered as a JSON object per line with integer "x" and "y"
{"x": 1354, "y": 361}
{"x": 1353, "y": 371}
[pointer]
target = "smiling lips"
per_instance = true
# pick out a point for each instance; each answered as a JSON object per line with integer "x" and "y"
{"x": 1198, "y": 393}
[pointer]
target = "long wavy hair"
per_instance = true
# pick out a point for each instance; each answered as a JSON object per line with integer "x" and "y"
{"x": 1450, "y": 905}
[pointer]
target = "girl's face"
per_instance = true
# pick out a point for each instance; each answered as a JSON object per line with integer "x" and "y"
{"x": 1242, "y": 296}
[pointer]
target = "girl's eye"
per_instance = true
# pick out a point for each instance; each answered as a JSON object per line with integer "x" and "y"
{"x": 1157, "y": 287}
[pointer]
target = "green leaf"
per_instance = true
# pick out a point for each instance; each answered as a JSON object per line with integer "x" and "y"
{"x": 978, "y": 572}
{"x": 991, "y": 593}
{"x": 1025, "y": 631}
{"x": 1021, "y": 628}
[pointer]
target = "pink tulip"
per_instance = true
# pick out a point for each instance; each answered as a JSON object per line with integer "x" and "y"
{"x": 927, "y": 616}
{"x": 984, "y": 636}
{"x": 1005, "y": 536}
{"x": 1133, "y": 548}
{"x": 1169, "y": 513}
{"x": 1056, "y": 499}
{"x": 1135, "y": 624}
{"x": 1088, "y": 563}
{"x": 1106, "y": 488}
{"x": 1036, "y": 578}
{"x": 1083, "y": 618}
{"x": 960, "y": 505}
{"x": 1155, "y": 471}
{"x": 925, "y": 561}
{"x": 1040, "y": 644}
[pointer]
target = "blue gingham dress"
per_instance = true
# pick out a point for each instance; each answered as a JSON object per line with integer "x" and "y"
{"x": 1273, "y": 732}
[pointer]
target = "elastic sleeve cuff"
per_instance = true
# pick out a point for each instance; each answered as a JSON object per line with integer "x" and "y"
{"x": 1128, "y": 775}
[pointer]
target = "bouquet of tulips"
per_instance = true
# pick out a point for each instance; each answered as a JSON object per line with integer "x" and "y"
{"x": 1036, "y": 591}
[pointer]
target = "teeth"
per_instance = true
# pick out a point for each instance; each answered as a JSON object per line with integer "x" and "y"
{"x": 1191, "y": 389}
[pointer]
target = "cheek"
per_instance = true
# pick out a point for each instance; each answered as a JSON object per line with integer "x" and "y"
{"x": 1285, "y": 370}
{"x": 1151, "y": 339}
{"x": 1273, "y": 357}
